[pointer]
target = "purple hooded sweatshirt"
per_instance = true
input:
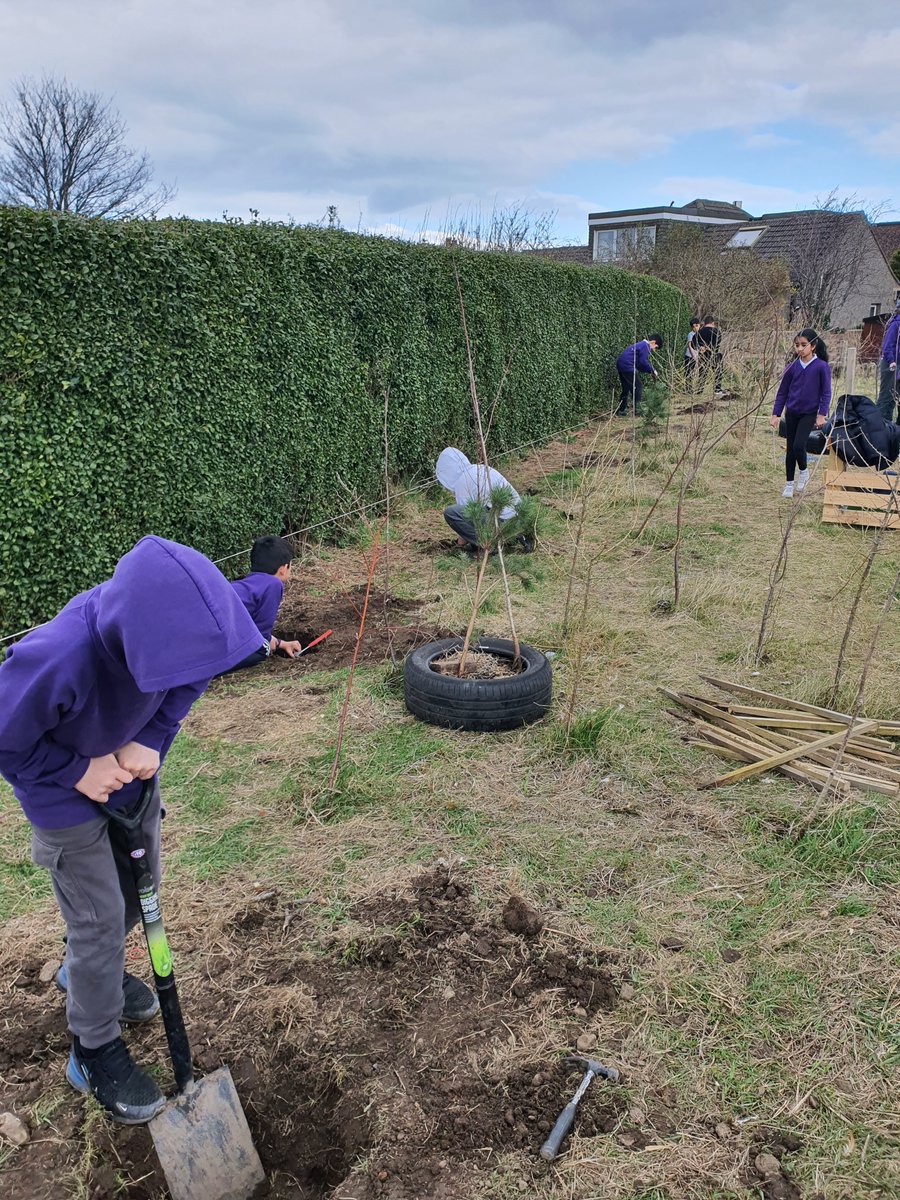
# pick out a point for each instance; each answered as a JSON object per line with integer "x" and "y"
{"x": 890, "y": 343}
{"x": 121, "y": 662}
{"x": 260, "y": 594}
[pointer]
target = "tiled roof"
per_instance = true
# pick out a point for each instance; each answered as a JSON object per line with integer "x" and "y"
{"x": 716, "y": 208}
{"x": 786, "y": 235}
{"x": 887, "y": 235}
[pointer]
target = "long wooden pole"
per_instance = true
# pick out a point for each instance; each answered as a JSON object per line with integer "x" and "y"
{"x": 776, "y": 760}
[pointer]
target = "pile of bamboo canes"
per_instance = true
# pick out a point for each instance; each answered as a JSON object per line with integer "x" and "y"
{"x": 817, "y": 746}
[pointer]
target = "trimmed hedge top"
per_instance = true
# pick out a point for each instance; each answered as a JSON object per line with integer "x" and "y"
{"x": 212, "y": 381}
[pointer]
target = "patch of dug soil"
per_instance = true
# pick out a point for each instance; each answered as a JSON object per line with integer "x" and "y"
{"x": 390, "y": 624}
{"x": 768, "y": 1175}
{"x": 393, "y": 1060}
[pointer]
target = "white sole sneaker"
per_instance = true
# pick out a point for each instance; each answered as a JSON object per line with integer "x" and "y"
{"x": 788, "y": 492}
{"x": 802, "y": 480}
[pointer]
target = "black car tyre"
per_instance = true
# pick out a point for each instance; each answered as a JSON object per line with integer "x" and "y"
{"x": 477, "y": 705}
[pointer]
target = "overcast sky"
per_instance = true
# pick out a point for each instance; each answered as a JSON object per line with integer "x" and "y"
{"x": 402, "y": 111}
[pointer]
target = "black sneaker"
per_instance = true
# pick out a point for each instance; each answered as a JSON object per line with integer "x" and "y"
{"x": 139, "y": 1002}
{"x": 525, "y": 543}
{"x": 108, "y": 1073}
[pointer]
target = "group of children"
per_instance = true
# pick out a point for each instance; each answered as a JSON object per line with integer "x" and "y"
{"x": 702, "y": 355}
{"x": 90, "y": 704}
{"x": 803, "y": 396}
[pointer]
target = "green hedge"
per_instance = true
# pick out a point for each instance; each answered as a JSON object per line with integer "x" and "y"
{"x": 211, "y": 381}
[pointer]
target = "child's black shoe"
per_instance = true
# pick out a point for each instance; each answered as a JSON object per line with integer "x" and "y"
{"x": 108, "y": 1073}
{"x": 139, "y": 1002}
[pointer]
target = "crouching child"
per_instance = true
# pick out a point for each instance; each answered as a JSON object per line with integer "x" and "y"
{"x": 474, "y": 482}
{"x": 261, "y": 592}
{"x": 89, "y": 705}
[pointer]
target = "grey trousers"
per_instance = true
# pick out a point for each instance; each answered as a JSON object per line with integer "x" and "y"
{"x": 94, "y": 888}
{"x": 888, "y": 392}
{"x": 461, "y": 526}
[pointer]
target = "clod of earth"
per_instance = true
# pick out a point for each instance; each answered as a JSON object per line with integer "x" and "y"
{"x": 13, "y": 1129}
{"x": 520, "y": 917}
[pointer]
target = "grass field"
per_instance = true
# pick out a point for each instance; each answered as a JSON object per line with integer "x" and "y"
{"x": 344, "y": 950}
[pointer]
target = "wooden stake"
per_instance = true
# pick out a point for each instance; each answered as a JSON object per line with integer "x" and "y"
{"x": 845, "y": 718}
{"x": 776, "y": 760}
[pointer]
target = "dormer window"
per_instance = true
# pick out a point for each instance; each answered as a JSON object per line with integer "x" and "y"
{"x": 744, "y": 238}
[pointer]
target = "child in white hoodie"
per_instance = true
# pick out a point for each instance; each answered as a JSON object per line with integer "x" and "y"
{"x": 469, "y": 481}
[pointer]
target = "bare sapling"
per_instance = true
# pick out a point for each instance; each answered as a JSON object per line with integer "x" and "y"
{"x": 486, "y": 513}
{"x": 342, "y": 719}
{"x": 493, "y": 532}
{"x": 387, "y": 530}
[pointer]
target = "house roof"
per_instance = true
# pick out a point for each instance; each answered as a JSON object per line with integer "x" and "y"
{"x": 713, "y": 210}
{"x": 573, "y": 254}
{"x": 887, "y": 235}
{"x": 786, "y": 235}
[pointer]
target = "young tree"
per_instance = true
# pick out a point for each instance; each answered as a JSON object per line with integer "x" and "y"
{"x": 66, "y": 151}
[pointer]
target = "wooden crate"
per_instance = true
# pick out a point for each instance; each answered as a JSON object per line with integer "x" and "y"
{"x": 860, "y": 495}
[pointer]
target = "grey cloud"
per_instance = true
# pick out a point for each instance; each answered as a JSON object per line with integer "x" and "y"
{"x": 410, "y": 103}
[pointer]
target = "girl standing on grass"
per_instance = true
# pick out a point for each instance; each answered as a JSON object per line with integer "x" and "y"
{"x": 803, "y": 395}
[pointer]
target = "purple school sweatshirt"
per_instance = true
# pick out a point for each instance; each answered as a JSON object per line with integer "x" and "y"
{"x": 121, "y": 662}
{"x": 804, "y": 389}
{"x": 890, "y": 343}
{"x": 635, "y": 358}
{"x": 260, "y": 594}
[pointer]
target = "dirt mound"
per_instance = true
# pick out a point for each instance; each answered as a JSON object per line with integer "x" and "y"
{"x": 396, "y": 1061}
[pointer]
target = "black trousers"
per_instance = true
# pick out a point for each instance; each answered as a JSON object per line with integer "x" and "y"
{"x": 798, "y": 427}
{"x": 252, "y": 660}
{"x": 711, "y": 360}
{"x": 632, "y": 390}
{"x": 888, "y": 392}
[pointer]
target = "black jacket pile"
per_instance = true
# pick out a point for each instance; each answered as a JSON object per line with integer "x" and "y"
{"x": 861, "y": 436}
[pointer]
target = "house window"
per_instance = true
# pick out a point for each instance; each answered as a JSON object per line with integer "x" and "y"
{"x": 605, "y": 245}
{"x": 743, "y": 238}
{"x": 611, "y": 244}
{"x": 874, "y": 310}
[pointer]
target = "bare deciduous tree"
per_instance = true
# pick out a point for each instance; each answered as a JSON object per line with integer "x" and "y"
{"x": 831, "y": 258}
{"x": 510, "y": 230}
{"x": 66, "y": 151}
{"x": 743, "y": 290}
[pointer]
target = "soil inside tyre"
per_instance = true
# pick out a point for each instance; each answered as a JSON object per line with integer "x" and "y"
{"x": 479, "y": 664}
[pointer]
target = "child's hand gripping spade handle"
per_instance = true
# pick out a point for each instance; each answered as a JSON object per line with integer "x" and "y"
{"x": 127, "y": 827}
{"x": 563, "y": 1124}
